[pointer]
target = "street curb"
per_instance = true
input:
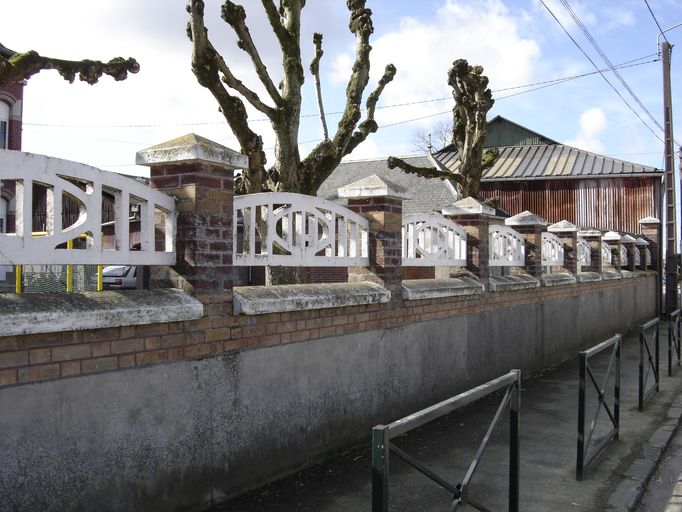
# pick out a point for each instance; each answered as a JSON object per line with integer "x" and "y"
{"x": 629, "y": 492}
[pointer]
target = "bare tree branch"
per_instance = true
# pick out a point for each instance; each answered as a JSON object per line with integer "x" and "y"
{"x": 235, "y": 16}
{"x": 361, "y": 25}
{"x": 433, "y": 139}
{"x": 425, "y": 172}
{"x": 275, "y": 20}
{"x": 22, "y": 66}
{"x": 369, "y": 125}
{"x": 315, "y": 71}
{"x": 206, "y": 69}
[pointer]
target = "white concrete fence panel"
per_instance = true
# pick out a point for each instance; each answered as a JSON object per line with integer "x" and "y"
{"x": 287, "y": 229}
{"x": 85, "y": 185}
{"x": 552, "y": 250}
{"x": 507, "y": 247}
{"x": 432, "y": 240}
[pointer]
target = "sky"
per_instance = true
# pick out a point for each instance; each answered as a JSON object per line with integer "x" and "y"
{"x": 518, "y": 42}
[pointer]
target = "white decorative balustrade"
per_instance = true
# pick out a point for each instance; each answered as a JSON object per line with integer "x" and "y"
{"x": 638, "y": 258}
{"x": 506, "y": 247}
{"x": 431, "y": 240}
{"x": 287, "y": 229}
{"x": 606, "y": 256}
{"x": 552, "y": 250}
{"x": 623, "y": 252}
{"x": 584, "y": 253}
{"x": 32, "y": 179}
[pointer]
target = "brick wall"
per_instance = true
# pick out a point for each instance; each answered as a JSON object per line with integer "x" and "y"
{"x": 31, "y": 358}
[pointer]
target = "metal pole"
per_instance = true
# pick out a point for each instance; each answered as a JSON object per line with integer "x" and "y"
{"x": 380, "y": 440}
{"x": 514, "y": 448}
{"x": 580, "y": 455}
{"x": 670, "y": 213}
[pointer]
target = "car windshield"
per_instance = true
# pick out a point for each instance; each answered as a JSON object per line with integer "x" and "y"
{"x": 115, "y": 271}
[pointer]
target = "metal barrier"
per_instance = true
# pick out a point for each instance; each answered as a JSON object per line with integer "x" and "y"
{"x": 382, "y": 446}
{"x": 673, "y": 340}
{"x": 585, "y": 458}
{"x": 648, "y": 335}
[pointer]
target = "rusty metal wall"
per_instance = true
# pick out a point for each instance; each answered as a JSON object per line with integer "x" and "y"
{"x": 608, "y": 204}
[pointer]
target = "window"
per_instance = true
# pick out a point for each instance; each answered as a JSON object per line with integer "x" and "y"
{"x": 3, "y": 214}
{"x": 4, "y": 125}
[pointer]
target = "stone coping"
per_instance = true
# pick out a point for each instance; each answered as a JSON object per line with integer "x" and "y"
{"x": 557, "y": 279}
{"x": 608, "y": 275}
{"x": 33, "y": 313}
{"x": 627, "y": 274}
{"x": 509, "y": 283}
{"x": 259, "y": 300}
{"x": 588, "y": 277}
{"x": 415, "y": 289}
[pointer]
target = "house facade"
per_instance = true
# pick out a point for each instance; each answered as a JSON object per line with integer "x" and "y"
{"x": 11, "y": 111}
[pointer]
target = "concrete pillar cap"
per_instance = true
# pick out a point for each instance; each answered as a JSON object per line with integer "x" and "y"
{"x": 563, "y": 226}
{"x": 373, "y": 186}
{"x": 469, "y": 206}
{"x": 526, "y": 219}
{"x": 191, "y": 148}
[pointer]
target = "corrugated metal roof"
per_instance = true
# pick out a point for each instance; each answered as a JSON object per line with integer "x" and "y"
{"x": 550, "y": 161}
{"x": 426, "y": 195}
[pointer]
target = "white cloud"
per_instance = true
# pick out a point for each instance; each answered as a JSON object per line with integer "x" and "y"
{"x": 592, "y": 124}
{"x": 423, "y": 51}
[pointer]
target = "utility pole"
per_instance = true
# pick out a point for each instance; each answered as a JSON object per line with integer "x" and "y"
{"x": 670, "y": 210}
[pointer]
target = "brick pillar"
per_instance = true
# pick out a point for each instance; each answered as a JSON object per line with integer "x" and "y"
{"x": 474, "y": 217}
{"x": 530, "y": 226}
{"x": 568, "y": 234}
{"x": 629, "y": 243}
{"x": 641, "y": 246}
{"x": 199, "y": 174}
{"x": 593, "y": 237}
{"x": 650, "y": 228}
{"x": 381, "y": 202}
{"x": 612, "y": 239}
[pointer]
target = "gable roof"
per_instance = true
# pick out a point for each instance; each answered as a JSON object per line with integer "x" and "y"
{"x": 426, "y": 195}
{"x": 550, "y": 161}
{"x": 503, "y": 132}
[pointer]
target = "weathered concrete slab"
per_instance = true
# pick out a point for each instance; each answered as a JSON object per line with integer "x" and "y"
{"x": 259, "y": 300}
{"x": 32, "y": 313}
{"x": 507, "y": 283}
{"x": 415, "y": 289}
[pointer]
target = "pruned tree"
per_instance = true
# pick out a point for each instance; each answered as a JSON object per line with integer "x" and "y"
{"x": 473, "y": 100}
{"x": 433, "y": 139}
{"x": 282, "y": 107}
{"x": 15, "y": 67}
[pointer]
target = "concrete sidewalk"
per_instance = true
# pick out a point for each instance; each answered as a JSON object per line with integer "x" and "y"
{"x": 549, "y": 403}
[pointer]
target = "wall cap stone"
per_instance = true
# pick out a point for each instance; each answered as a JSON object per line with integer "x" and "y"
{"x": 641, "y": 241}
{"x": 590, "y": 233}
{"x": 508, "y": 283}
{"x": 557, "y": 279}
{"x": 610, "y": 275}
{"x": 612, "y": 236}
{"x": 627, "y": 239}
{"x": 34, "y": 313}
{"x": 469, "y": 206}
{"x": 415, "y": 289}
{"x": 526, "y": 219}
{"x": 649, "y": 220}
{"x": 587, "y": 277}
{"x": 373, "y": 186}
{"x": 259, "y": 300}
{"x": 563, "y": 226}
{"x": 191, "y": 148}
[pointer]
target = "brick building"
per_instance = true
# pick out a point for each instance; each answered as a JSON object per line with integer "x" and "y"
{"x": 11, "y": 107}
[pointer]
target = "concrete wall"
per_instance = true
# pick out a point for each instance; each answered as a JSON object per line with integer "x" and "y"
{"x": 184, "y": 434}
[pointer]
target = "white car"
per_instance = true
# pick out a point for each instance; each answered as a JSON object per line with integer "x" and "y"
{"x": 119, "y": 277}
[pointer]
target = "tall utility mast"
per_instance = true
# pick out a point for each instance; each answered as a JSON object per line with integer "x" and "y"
{"x": 670, "y": 203}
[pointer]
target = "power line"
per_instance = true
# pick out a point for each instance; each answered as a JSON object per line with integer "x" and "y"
{"x": 601, "y": 73}
{"x": 660, "y": 30}
{"x": 608, "y": 62}
{"x": 531, "y": 87}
